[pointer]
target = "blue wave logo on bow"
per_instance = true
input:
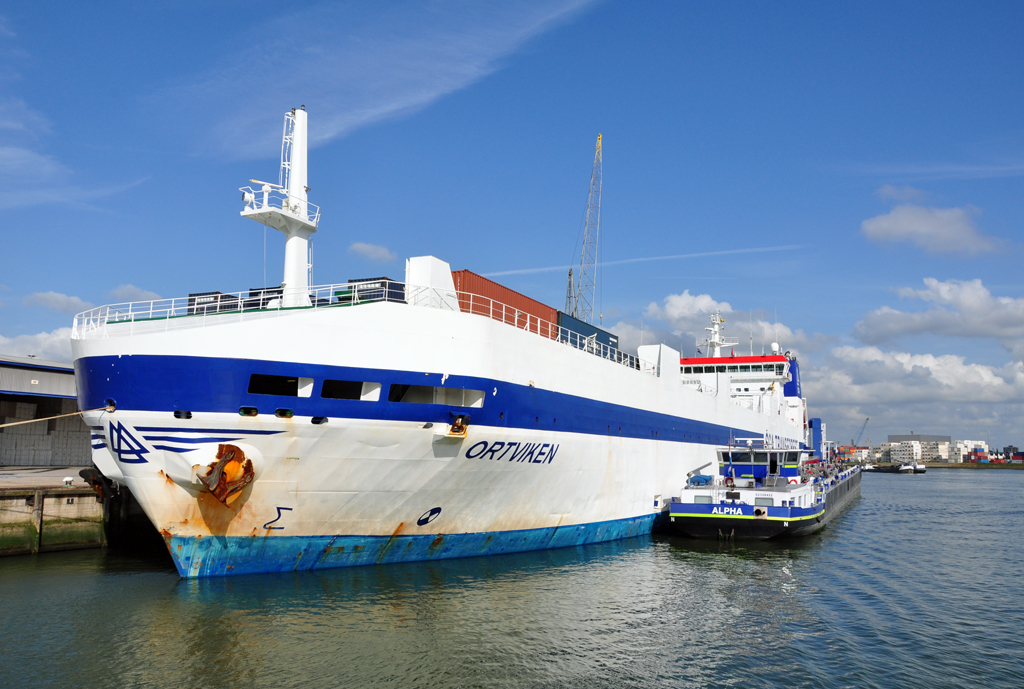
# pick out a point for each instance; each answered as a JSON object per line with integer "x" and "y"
{"x": 123, "y": 444}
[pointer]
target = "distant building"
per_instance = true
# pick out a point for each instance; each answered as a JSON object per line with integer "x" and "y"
{"x": 36, "y": 389}
{"x": 934, "y": 448}
{"x": 968, "y": 451}
{"x": 905, "y": 452}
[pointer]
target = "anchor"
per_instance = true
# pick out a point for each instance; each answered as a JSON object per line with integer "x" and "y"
{"x": 229, "y": 474}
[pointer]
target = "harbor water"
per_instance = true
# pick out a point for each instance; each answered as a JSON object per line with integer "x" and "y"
{"x": 918, "y": 584}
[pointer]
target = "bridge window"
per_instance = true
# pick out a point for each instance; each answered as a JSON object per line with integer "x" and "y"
{"x": 698, "y": 369}
{"x": 688, "y": 369}
{"x": 780, "y": 368}
{"x": 755, "y": 368}
{"x": 721, "y": 369}
{"x": 285, "y": 386}
{"x": 745, "y": 369}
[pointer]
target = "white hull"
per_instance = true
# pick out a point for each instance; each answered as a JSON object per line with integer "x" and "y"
{"x": 630, "y": 437}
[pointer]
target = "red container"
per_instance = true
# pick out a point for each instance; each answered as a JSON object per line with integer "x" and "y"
{"x": 486, "y": 297}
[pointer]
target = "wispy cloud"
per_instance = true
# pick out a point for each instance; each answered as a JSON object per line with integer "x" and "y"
{"x": 889, "y": 192}
{"x": 645, "y": 259}
{"x": 943, "y": 170}
{"x": 373, "y": 252}
{"x": 28, "y": 175}
{"x": 354, "y": 65}
{"x": 57, "y": 302}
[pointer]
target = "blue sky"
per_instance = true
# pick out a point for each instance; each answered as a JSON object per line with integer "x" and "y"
{"x": 864, "y": 163}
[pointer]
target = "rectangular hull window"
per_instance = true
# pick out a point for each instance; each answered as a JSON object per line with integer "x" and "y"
{"x": 350, "y": 390}
{"x": 286, "y": 386}
{"x": 426, "y": 394}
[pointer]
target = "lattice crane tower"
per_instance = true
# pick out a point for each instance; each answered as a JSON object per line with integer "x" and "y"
{"x": 579, "y": 301}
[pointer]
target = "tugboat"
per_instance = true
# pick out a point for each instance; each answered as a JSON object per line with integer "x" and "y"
{"x": 761, "y": 492}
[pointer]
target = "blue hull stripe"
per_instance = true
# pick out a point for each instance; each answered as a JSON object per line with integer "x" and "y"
{"x": 200, "y": 439}
{"x": 206, "y": 384}
{"x": 223, "y": 555}
{"x": 232, "y": 431}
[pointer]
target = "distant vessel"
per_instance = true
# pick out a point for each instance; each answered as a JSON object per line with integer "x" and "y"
{"x": 376, "y": 421}
{"x": 762, "y": 493}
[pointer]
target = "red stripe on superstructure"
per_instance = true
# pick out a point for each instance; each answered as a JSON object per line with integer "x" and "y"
{"x": 768, "y": 358}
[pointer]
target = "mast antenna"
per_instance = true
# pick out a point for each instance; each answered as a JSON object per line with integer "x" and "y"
{"x": 286, "y": 208}
{"x": 579, "y": 302}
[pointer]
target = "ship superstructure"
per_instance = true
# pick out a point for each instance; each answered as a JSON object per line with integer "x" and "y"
{"x": 378, "y": 420}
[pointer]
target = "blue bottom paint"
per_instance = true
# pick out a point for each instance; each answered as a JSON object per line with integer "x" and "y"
{"x": 209, "y": 556}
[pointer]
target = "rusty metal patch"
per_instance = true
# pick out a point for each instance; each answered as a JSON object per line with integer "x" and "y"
{"x": 229, "y": 474}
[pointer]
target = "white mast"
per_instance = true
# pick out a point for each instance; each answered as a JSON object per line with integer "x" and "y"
{"x": 716, "y": 341}
{"x": 285, "y": 207}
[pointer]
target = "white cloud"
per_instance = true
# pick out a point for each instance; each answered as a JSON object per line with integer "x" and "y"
{"x": 373, "y": 252}
{"x": 680, "y": 308}
{"x": 687, "y": 316}
{"x": 938, "y": 230}
{"x": 889, "y": 192}
{"x": 963, "y": 308}
{"x": 355, "y": 64}
{"x": 632, "y": 335}
{"x": 125, "y": 293}
{"x": 904, "y": 392}
{"x": 57, "y": 302}
{"x": 55, "y": 346}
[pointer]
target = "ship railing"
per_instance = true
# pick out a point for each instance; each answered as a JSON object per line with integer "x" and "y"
{"x": 275, "y": 198}
{"x": 199, "y": 310}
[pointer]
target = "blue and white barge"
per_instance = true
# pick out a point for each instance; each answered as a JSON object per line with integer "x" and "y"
{"x": 762, "y": 493}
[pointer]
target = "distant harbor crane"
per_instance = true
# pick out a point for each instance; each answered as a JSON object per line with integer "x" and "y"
{"x": 579, "y": 298}
{"x": 863, "y": 426}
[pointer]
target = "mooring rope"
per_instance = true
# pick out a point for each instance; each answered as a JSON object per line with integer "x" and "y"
{"x": 59, "y": 416}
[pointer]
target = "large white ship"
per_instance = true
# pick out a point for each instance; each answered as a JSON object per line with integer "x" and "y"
{"x": 377, "y": 421}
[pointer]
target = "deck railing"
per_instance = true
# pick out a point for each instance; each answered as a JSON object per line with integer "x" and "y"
{"x": 274, "y": 198}
{"x": 198, "y": 310}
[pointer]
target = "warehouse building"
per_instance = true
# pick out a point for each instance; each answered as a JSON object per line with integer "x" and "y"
{"x": 32, "y": 388}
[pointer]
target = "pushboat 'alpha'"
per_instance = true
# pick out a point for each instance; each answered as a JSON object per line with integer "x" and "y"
{"x": 376, "y": 421}
{"x": 763, "y": 493}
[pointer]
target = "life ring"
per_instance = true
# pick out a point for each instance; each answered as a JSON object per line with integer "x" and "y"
{"x": 729, "y": 483}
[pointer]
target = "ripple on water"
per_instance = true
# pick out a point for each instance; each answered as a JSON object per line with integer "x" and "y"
{"x": 916, "y": 585}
